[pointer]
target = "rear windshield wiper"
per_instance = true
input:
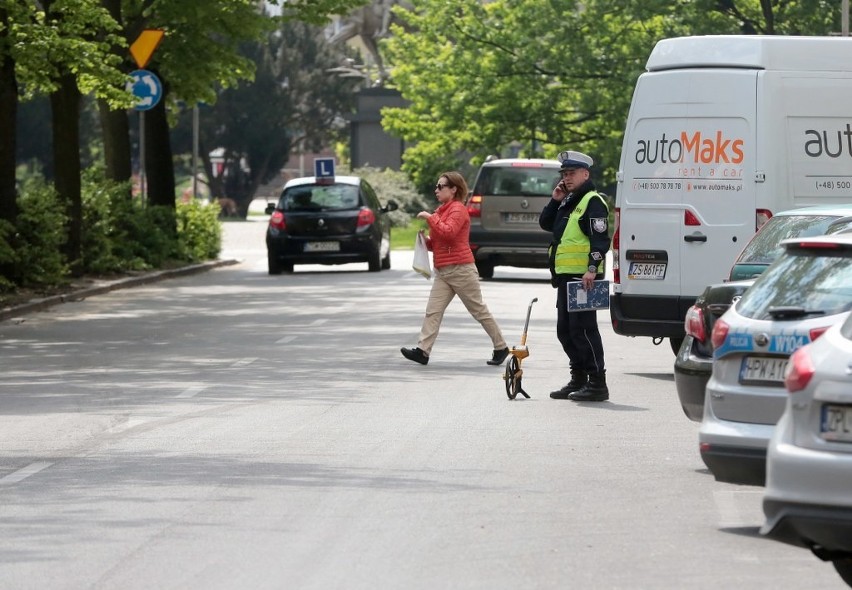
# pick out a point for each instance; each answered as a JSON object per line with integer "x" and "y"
{"x": 791, "y": 311}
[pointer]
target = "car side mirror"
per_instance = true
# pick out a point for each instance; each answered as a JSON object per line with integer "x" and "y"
{"x": 391, "y": 206}
{"x": 270, "y": 207}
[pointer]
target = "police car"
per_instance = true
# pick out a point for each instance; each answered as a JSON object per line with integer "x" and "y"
{"x": 802, "y": 294}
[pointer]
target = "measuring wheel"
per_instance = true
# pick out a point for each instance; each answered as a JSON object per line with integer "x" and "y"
{"x": 513, "y": 376}
{"x": 513, "y": 373}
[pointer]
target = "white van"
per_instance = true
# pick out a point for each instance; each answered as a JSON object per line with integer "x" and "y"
{"x": 723, "y": 131}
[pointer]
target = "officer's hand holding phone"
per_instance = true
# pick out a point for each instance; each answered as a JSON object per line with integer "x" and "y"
{"x": 560, "y": 191}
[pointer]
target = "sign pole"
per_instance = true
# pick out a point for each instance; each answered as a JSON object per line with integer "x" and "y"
{"x": 195, "y": 151}
{"x": 142, "y": 157}
{"x": 147, "y": 88}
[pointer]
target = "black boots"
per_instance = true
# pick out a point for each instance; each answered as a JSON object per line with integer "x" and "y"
{"x": 578, "y": 381}
{"x": 594, "y": 391}
{"x": 416, "y": 355}
{"x": 498, "y": 356}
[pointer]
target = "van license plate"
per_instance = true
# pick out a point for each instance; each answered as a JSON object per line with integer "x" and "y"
{"x": 647, "y": 271}
{"x": 836, "y": 423}
{"x": 763, "y": 369}
{"x": 322, "y": 246}
{"x": 521, "y": 218}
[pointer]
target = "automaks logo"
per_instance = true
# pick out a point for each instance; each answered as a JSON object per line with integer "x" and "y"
{"x": 831, "y": 143}
{"x": 690, "y": 148}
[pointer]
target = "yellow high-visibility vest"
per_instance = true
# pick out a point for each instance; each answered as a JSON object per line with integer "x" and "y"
{"x": 572, "y": 253}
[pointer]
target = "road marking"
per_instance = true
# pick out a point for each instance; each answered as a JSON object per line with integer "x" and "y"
{"x": 131, "y": 423}
{"x": 286, "y": 340}
{"x": 318, "y": 322}
{"x": 192, "y": 391}
{"x": 244, "y": 362}
{"x": 25, "y": 472}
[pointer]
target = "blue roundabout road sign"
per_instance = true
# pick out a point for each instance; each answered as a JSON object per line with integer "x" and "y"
{"x": 147, "y": 88}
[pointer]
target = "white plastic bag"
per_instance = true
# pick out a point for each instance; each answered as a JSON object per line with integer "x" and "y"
{"x": 421, "y": 262}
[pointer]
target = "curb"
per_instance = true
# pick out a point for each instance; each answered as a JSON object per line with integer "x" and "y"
{"x": 107, "y": 286}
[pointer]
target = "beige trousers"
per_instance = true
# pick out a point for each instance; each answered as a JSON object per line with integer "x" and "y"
{"x": 449, "y": 281}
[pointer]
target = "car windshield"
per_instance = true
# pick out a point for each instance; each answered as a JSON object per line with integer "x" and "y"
{"x": 817, "y": 282}
{"x": 532, "y": 181}
{"x": 314, "y": 197}
{"x": 766, "y": 244}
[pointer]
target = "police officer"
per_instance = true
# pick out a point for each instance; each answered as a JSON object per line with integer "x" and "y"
{"x": 577, "y": 216}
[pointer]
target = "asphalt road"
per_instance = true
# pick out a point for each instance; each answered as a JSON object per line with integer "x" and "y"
{"x": 235, "y": 430}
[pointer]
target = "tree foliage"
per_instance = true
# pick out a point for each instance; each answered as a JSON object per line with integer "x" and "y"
{"x": 72, "y": 49}
{"x": 292, "y": 101}
{"x": 534, "y": 77}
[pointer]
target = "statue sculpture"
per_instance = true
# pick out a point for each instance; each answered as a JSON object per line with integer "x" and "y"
{"x": 369, "y": 24}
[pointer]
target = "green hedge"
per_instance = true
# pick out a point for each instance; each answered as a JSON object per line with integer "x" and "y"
{"x": 119, "y": 234}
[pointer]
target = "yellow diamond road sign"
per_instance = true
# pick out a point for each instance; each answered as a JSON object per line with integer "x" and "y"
{"x": 143, "y": 48}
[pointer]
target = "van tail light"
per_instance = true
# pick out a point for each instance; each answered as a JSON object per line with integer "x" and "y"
{"x": 761, "y": 216}
{"x": 277, "y": 221}
{"x": 694, "y": 324}
{"x": 474, "y": 206}
{"x": 616, "y": 241}
{"x": 689, "y": 218}
{"x": 799, "y": 370}
{"x": 366, "y": 218}
{"x": 720, "y": 332}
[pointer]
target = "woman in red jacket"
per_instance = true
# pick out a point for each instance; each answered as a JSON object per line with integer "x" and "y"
{"x": 455, "y": 272}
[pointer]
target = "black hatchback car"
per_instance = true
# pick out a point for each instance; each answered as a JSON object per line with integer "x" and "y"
{"x": 328, "y": 221}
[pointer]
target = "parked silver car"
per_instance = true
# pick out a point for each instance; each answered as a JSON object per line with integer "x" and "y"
{"x": 803, "y": 293}
{"x": 809, "y": 462}
{"x": 694, "y": 361}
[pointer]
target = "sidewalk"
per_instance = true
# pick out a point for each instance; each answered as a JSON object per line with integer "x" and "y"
{"x": 99, "y": 287}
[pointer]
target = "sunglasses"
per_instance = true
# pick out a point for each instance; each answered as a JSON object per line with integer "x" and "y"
{"x": 440, "y": 187}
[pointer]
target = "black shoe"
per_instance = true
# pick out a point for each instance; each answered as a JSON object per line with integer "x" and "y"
{"x": 416, "y": 355}
{"x": 498, "y": 357}
{"x": 594, "y": 391}
{"x": 578, "y": 382}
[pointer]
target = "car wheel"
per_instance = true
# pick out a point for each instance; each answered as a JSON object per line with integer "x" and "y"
{"x": 844, "y": 568}
{"x": 675, "y": 344}
{"x": 374, "y": 263}
{"x": 386, "y": 262}
{"x": 274, "y": 265}
{"x": 486, "y": 270}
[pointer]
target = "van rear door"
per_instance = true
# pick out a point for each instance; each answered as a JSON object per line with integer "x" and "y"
{"x": 686, "y": 191}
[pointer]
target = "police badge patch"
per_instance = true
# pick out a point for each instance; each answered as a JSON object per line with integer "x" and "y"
{"x": 599, "y": 225}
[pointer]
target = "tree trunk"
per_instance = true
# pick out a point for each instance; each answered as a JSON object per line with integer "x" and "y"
{"x": 159, "y": 167}
{"x": 8, "y": 115}
{"x": 116, "y": 138}
{"x": 65, "y": 103}
{"x": 118, "y": 156}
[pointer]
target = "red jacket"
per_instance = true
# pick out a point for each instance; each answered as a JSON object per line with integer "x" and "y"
{"x": 449, "y": 232}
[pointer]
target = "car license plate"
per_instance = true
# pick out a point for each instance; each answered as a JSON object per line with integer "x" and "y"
{"x": 836, "y": 423}
{"x": 763, "y": 369}
{"x": 521, "y": 217}
{"x": 322, "y": 246}
{"x": 647, "y": 271}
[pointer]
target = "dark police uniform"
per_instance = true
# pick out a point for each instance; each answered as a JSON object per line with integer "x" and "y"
{"x": 578, "y": 331}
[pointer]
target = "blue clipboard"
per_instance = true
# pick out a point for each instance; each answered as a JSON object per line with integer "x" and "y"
{"x": 581, "y": 300}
